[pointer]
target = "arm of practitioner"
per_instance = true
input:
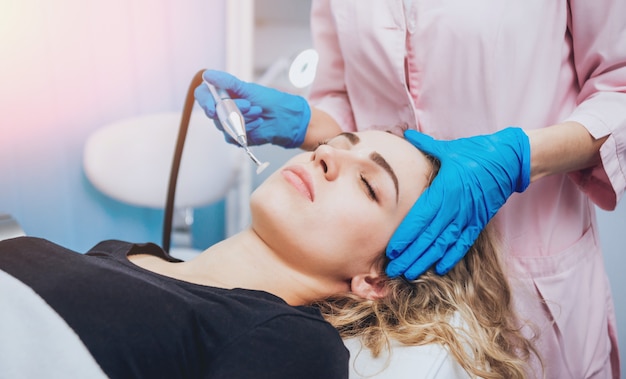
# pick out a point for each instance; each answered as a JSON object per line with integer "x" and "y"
{"x": 562, "y": 148}
{"x": 598, "y": 39}
{"x": 590, "y": 145}
{"x": 285, "y": 347}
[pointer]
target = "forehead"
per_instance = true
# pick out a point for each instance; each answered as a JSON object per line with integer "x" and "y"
{"x": 397, "y": 151}
{"x": 382, "y": 140}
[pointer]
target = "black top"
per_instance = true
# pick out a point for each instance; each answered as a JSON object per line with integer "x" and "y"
{"x": 140, "y": 324}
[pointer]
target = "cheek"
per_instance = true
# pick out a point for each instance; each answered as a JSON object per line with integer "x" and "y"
{"x": 357, "y": 229}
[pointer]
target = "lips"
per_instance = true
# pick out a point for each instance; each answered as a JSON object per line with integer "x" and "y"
{"x": 301, "y": 180}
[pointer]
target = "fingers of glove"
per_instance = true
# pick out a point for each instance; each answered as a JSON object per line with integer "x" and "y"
{"x": 402, "y": 263}
{"x": 425, "y": 143}
{"x": 254, "y": 125}
{"x": 253, "y": 112}
{"x": 248, "y": 111}
{"x": 451, "y": 258}
{"x": 253, "y": 138}
{"x": 457, "y": 250}
{"x": 427, "y": 239}
{"x": 426, "y": 261}
{"x": 255, "y": 132}
{"x": 243, "y": 105}
{"x": 224, "y": 80}
{"x": 435, "y": 252}
{"x": 412, "y": 265}
{"x": 207, "y": 103}
{"x": 432, "y": 244}
{"x": 433, "y": 212}
{"x": 205, "y": 100}
{"x": 421, "y": 214}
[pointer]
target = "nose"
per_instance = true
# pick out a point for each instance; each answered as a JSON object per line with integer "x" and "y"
{"x": 328, "y": 159}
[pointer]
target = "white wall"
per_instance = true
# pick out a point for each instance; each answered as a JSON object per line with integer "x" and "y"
{"x": 68, "y": 67}
{"x": 612, "y": 227}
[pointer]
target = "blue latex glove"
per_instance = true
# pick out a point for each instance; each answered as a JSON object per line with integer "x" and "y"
{"x": 476, "y": 177}
{"x": 271, "y": 116}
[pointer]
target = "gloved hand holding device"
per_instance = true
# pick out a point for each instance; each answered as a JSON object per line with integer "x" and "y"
{"x": 271, "y": 116}
{"x": 477, "y": 176}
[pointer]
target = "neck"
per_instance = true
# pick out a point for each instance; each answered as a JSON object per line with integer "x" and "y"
{"x": 245, "y": 261}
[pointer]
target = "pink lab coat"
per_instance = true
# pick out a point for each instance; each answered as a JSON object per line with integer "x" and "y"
{"x": 459, "y": 68}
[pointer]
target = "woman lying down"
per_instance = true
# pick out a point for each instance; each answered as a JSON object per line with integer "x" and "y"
{"x": 249, "y": 306}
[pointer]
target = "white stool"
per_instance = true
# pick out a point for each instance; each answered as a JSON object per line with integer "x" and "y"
{"x": 130, "y": 160}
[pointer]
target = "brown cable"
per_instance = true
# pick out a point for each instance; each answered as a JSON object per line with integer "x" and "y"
{"x": 178, "y": 153}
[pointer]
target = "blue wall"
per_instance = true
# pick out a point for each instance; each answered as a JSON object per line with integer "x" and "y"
{"x": 69, "y": 67}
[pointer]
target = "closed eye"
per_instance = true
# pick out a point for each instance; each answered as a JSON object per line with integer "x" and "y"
{"x": 369, "y": 188}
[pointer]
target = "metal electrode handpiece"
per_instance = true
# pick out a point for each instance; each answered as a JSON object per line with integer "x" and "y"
{"x": 233, "y": 122}
{"x": 229, "y": 115}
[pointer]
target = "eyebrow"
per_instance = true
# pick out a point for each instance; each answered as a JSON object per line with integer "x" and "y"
{"x": 377, "y": 158}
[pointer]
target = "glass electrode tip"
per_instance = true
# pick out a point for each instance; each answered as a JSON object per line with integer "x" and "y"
{"x": 260, "y": 166}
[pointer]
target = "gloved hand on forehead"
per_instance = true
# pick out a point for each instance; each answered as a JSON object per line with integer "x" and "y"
{"x": 477, "y": 176}
{"x": 271, "y": 116}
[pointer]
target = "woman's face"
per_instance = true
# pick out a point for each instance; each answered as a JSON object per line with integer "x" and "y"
{"x": 331, "y": 212}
